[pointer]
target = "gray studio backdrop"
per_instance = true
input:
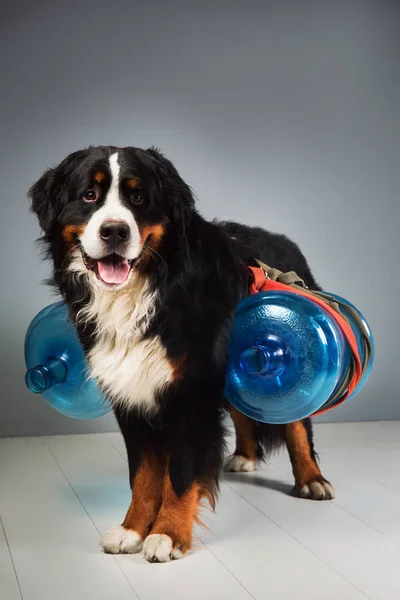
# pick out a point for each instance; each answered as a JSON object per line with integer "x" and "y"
{"x": 281, "y": 114}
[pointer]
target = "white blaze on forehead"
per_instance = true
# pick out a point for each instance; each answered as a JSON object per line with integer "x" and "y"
{"x": 111, "y": 209}
{"x": 113, "y": 203}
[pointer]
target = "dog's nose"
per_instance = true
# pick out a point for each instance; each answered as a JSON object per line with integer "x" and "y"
{"x": 114, "y": 233}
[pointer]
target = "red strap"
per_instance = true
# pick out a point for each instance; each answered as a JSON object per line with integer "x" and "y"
{"x": 260, "y": 283}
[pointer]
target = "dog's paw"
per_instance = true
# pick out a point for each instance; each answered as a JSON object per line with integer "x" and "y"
{"x": 316, "y": 490}
{"x": 119, "y": 540}
{"x": 158, "y": 547}
{"x": 240, "y": 464}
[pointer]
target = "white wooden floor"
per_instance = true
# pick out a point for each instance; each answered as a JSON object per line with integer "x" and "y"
{"x": 57, "y": 494}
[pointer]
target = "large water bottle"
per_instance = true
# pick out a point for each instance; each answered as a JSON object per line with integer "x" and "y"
{"x": 57, "y": 368}
{"x": 289, "y": 358}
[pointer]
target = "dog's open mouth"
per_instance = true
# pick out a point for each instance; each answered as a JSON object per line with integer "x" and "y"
{"x": 113, "y": 270}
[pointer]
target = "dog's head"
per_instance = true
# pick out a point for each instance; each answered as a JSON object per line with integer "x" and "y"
{"x": 106, "y": 210}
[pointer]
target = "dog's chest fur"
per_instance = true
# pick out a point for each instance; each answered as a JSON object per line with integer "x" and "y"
{"x": 131, "y": 370}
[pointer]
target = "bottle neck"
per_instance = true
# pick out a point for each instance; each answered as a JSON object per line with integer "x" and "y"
{"x": 263, "y": 360}
{"x": 43, "y": 377}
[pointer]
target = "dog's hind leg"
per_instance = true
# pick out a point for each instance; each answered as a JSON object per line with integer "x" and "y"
{"x": 309, "y": 481}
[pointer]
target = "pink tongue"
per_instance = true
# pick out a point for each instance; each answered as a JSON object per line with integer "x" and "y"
{"x": 113, "y": 272}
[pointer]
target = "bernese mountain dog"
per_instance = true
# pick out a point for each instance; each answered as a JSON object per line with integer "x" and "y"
{"x": 152, "y": 288}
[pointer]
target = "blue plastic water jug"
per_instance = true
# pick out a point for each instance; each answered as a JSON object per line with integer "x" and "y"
{"x": 287, "y": 358}
{"x": 57, "y": 368}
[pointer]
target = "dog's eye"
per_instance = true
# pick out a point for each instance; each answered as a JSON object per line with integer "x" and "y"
{"x": 90, "y": 195}
{"x": 137, "y": 198}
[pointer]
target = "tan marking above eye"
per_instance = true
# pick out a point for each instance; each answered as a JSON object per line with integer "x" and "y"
{"x": 99, "y": 176}
{"x": 132, "y": 182}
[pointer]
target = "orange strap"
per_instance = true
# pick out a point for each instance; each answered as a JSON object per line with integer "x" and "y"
{"x": 261, "y": 283}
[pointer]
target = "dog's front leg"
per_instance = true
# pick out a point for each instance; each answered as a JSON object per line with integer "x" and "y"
{"x": 194, "y": 456}
{"x": 147, "y": 466}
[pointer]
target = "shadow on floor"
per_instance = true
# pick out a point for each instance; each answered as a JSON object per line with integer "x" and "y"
{"x": 258, "y": 480}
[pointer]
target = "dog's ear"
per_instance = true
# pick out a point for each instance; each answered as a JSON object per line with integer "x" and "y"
{"x": 177, "y": 192}
{"x": 48, "y": 195}
{"x": 43, "y": 195}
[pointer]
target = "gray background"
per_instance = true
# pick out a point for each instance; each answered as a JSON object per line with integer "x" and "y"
{"x": 281, "y": 114}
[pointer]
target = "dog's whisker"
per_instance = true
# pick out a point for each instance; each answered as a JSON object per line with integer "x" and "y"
{"x": 152, "y": 253}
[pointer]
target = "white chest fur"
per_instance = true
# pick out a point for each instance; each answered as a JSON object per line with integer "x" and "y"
{"x": 129, "y": 368}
